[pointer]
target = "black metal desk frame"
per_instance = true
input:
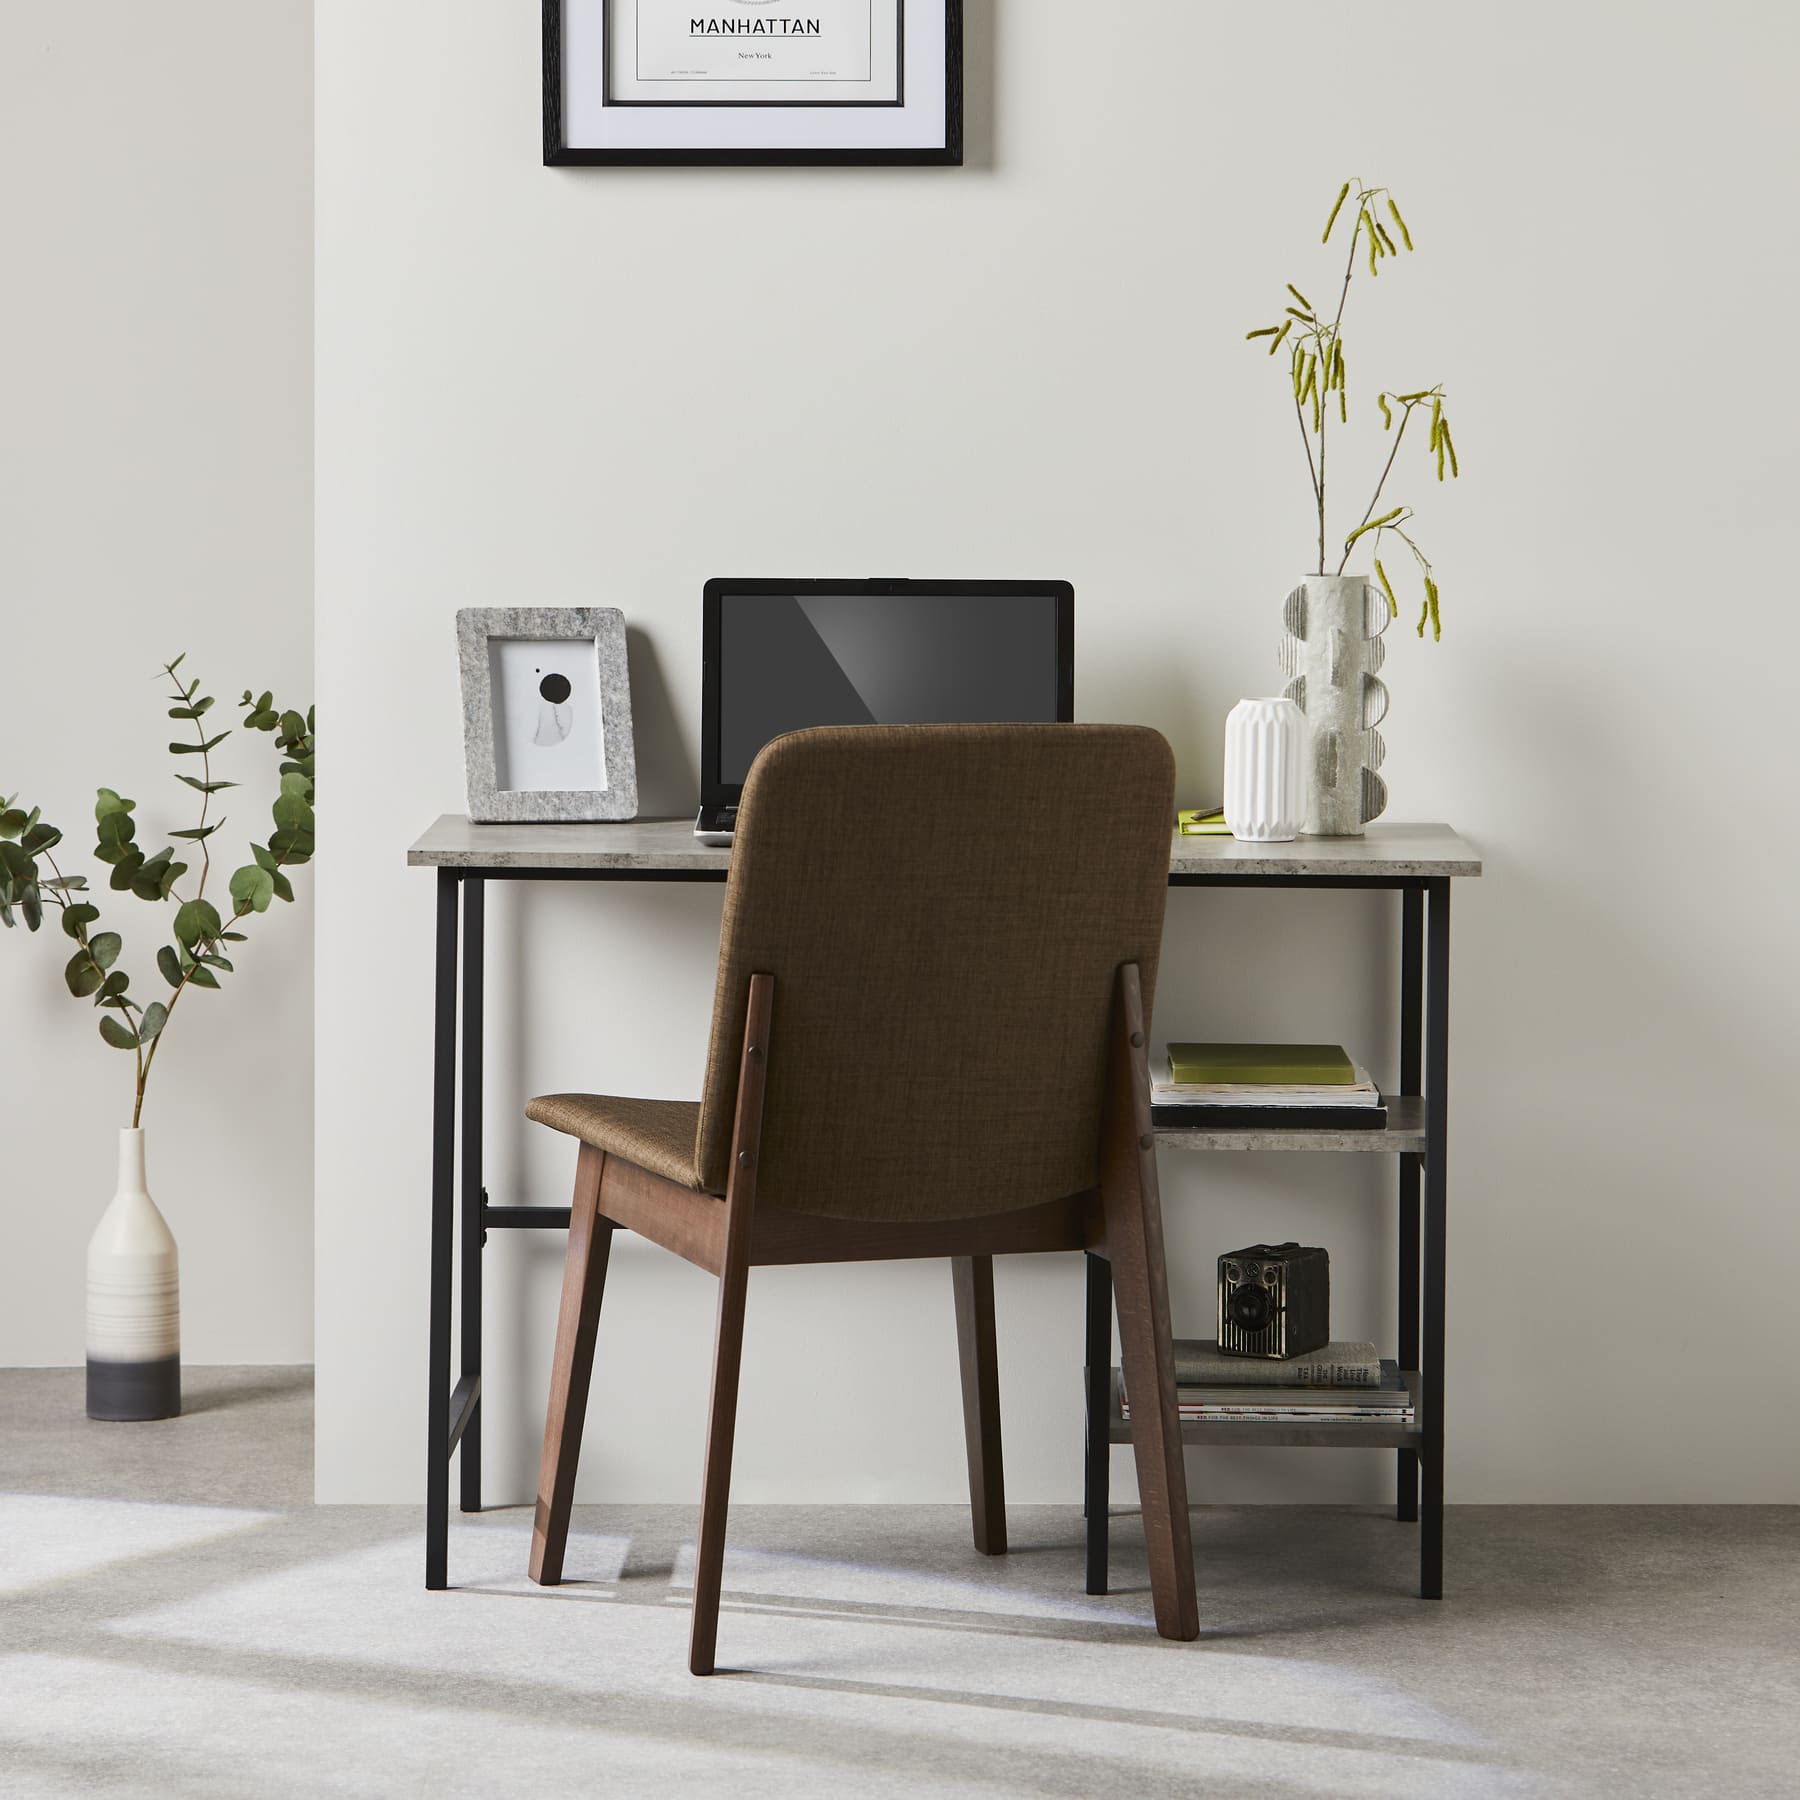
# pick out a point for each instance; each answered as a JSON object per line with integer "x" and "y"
{"x": 462, "y": 1214}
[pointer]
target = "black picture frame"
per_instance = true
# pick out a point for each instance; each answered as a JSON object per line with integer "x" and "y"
{"x": 559, "y": 153}
{"x": 714, "y": 789}
{"x": 899, "y": 91}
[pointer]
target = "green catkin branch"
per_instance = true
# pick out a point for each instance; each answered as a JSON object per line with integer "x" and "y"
{"x": 1343, "y": 406}
{"x": 1387, "y": 588}
{"x": 1336, "y": 208}
{"x": 1387, "y": 243}
{"x": 1387, "y": 412}
{"x": 1386, "y": 520}
{"x": 1300, "y": 297}
{"x": 1279, "y": 335}
{"x": 1445, "y": 440}
{"x": 1405, "y": 235}
{"x": 1261, "y": 331}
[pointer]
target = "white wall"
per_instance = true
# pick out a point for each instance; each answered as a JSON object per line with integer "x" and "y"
{"x": 155, "y": 496}
{"x": 579, "y": 386}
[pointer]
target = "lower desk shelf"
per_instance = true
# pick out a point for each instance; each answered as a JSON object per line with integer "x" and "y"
{"x": 1276, "y": 1434}
{"x": 1403, "y": 1133}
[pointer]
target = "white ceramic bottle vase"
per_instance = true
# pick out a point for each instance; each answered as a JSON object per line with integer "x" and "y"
{"x": 1265, "y": 760}
{"x": 133, "y": 1302}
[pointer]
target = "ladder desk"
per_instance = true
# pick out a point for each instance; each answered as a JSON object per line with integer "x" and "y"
{"x": 1417, "y": 862}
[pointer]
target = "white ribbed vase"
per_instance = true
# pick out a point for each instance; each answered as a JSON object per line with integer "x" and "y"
{"x": 133, "y": 1302}
{"x": 1265, "y": 758}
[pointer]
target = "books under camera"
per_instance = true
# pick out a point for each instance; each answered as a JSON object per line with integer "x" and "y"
{"x": 1343, "y": 1363}
{"x": 1242, "y": 1087}
{"x": 1389, "y": 1401}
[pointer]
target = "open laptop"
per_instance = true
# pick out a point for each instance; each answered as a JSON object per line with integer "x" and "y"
{"x": 783, "y": 655}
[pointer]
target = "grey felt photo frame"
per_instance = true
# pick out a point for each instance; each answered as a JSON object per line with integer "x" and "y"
{"x": 520, "y": 743}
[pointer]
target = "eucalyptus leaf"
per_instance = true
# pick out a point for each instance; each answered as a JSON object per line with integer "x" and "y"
{"x": 156, "y": 1016}
{"x": 31, "y": 909}
{"x": 76, "y": 919}
{"x": 39, "y": 838}
{"x": 81, "y": 975}
{"x": 199, "y": 833}
{"x": 197, "y": 922}
{"x": 202, "y": 977}
{"x": 105, "y": 948}
{"x": 253, "y": 887}
{"x": 293, "y": 811}
{"x": 121, "y": 1037}
{"x": 113, "y": 986}
{"x": 125, "y": 870}
{"x": 109, "y": 802}
{"x": 205, "y": 787}
{"x": 170, "y": 964}
{"x": 12, "y": 822}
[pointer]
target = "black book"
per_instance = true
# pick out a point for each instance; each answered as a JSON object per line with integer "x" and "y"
{"x": 1173, "y": 1116}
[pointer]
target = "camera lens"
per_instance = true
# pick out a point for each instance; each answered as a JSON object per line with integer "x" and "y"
{"x": 1231, "y": 1272}
{"x": 1249, "y": 1308}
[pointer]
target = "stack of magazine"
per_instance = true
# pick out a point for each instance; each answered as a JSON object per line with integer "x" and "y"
{"x": 1225, "y": 1087}
{"x": 1343, "y": 1381}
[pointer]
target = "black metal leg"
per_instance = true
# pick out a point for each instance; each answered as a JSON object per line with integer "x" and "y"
{"x": 1437, "y": 1071}
{"x": 1097, "y": 1479}
{"x": 1412, "y": 995}
{"x": 473, "y": 1197}
{"x": 443, "y": 1209}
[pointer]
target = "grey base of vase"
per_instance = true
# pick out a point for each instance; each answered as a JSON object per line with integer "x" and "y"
{"x": 134, "y": 1391}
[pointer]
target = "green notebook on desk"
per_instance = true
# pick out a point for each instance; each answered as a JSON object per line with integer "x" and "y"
{"x": 1282, "y": 1065}
{"x": 1199, "y": 821}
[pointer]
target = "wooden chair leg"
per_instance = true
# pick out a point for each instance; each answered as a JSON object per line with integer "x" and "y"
{"x": 972, "y": 1277}
{"x": 1134, "y": 1238}
{"x": 715, "y": 1493}
{"x": 728, "y": 1343}
{"x": 584, "y": 1280}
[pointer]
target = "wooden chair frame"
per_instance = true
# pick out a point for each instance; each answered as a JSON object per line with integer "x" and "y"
{"x": 1121, "y": 1219}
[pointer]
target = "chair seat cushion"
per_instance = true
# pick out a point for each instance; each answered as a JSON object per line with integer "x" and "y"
{"x": 658, "y": 1135}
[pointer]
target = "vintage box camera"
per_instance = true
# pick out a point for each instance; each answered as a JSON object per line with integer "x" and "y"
{"x": 1274, "y": 1301}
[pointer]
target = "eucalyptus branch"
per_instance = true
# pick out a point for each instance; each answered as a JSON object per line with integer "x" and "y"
{"x": 200, "y": 934}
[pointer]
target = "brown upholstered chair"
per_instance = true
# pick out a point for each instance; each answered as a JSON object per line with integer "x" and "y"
{"x": 928, "y": 1039}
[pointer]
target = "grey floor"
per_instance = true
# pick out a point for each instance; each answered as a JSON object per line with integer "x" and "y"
{"x": 176, "y": 1619}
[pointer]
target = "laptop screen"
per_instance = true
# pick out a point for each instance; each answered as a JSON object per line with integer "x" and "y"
{"x": 781, "y": 658}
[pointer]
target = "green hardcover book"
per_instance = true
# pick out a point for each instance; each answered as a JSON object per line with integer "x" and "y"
{"x": 1279, "y": 1065}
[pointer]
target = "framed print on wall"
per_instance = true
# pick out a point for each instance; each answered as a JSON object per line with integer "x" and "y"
{"x": 752, "y": 81}
{"x": 546, "y": 713}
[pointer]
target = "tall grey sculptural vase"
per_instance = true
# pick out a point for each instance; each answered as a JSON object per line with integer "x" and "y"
{"x": 1331, "y": 651}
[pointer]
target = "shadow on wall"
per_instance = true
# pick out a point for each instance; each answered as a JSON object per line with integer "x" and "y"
{"x": 668, "y": 777}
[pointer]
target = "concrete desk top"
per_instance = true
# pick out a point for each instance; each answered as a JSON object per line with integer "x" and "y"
{"x": 668, "y": 846}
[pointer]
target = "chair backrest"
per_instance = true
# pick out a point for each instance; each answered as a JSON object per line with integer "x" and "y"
{"x": 944, "y": 909}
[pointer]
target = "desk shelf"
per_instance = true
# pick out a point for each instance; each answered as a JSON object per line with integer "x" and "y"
{"x": 1276, "y": 1434}
{"x": 1403, "y": 1133}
